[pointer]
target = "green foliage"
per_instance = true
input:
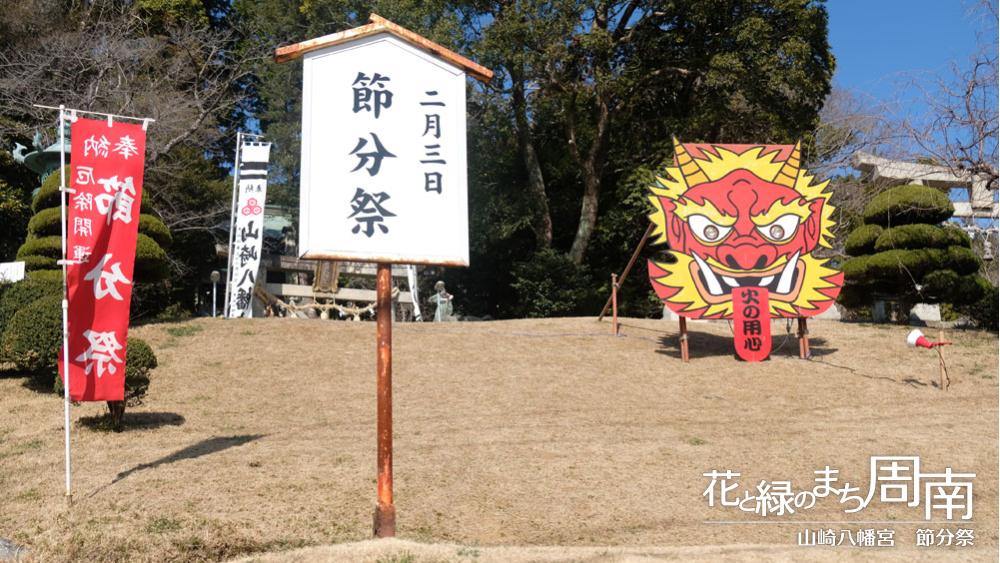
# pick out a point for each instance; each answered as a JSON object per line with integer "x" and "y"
{"x": 862, "y": 240}
{"x": 915, "y": 263}
{"x": 139, "y": 362}
{"x": 984, "y": 312}
{"x": 16, "y": 183}
{"x": 18, "y": 295}
{"x": 50, "y": 247}
{"x": 156, "y": 230}
{"x": 47, "y": 275}
{"x": 32, "y": 263}
{"x": 33, "y": 337}
{"x": 906, "y": 205}
{"x": 47, "y": 222}
{"x": 956, "y": 236}
{"x": 48, "y": 195}
{"x": 150, "y": 260}
{"x": 551, "y": 284}
{"x": 912, "y": 236}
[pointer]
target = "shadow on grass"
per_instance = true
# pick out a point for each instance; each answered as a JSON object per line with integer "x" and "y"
{"x": 132, "y": 421}
{"x": 708, "y": 345}
{"x": 202, "y": 448}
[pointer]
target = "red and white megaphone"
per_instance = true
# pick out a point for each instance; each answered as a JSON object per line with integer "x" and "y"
{"x": 917, "y": 338}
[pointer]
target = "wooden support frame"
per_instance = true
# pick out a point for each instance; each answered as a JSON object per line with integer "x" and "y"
{"x": 803, "y": 334}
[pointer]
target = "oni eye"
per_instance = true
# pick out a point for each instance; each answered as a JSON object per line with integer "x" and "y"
{"x": 706, "y": 230}
{"x": 782, "y": 229}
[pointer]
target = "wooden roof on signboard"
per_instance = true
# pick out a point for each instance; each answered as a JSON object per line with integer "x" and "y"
{"x": 378, "y": 24}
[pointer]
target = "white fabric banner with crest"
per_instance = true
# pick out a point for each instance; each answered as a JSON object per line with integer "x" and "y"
{"x": 248, "y": 228}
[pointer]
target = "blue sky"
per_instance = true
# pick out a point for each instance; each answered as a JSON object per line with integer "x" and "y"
{"x": 875, "y": 40}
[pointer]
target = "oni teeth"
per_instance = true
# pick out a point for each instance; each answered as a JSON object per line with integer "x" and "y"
{"x": 764, "y": 282}
{"x": 785, "y": 281}
{"x": 730, "y": 281}
{"x": 713, "y": 282}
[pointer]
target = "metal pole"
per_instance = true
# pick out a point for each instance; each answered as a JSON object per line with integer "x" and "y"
{"x": 232, "y": 225}
{"x": 65, "y": 301}
{"x": 214, "y": 285}
{"x": 385, "y": 511}
{"x": 638, "y": 249}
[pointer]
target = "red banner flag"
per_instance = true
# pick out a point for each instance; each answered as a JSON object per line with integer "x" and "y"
{"x": 752, "y": 323}
{"x": 102, "y": 224}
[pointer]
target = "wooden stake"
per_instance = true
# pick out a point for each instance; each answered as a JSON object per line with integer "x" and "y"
{"x": 684, "y": 339}
{"x": 614, "y": 302}
{"x": 944, "y": 371}
{"x": 385, "y": 511}
{"x": 638, "y": 249}
{"x": 803, "y": 338}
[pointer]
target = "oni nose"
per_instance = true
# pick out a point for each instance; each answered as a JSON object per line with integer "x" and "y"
{"x": 734, "y": 264}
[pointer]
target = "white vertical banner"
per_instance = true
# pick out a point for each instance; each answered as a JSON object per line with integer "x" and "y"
{"x": 248, "y": 227}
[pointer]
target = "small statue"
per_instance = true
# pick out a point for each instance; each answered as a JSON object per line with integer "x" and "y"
{"x": 443, "y": 300}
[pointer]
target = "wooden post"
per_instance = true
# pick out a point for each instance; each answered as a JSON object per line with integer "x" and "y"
{"x": 628, "y": 268}
{"x": 385, "y": 511}
{"x": 803, "y": 338}
{"x": 944, "y": 373}
{"x": 614, "y": 303}
{"x": 684, "y": 339}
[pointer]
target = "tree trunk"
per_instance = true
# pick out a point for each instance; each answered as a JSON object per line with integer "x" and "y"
{"x": 588, "y": 217}
{"x": 541, "y": 222}
{"x": 117, "y": 411}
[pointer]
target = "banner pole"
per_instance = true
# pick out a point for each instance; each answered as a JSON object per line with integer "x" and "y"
{"x": 232, "y": 225}
{"x": 65, "y": 301}
{"x": 385, "y": 511}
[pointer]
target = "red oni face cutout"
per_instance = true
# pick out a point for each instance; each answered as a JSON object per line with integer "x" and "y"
{"x": 742, "y": 220}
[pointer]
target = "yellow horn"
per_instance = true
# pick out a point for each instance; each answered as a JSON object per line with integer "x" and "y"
{"x": 790, "y": 170}
{"x": 693, "y": 174}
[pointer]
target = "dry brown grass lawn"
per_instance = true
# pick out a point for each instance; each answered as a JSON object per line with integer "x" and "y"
{"x": 259, "y": 436}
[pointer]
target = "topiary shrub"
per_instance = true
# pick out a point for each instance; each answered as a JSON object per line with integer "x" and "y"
{"x": 47, "y": 275}
{"x": 140, "y": 360}
{"x": 18, "y": 295}
{"x": 906, "y": 237}
{"x": 862, "y": 240}
{"x": 47, "y": 222}
{"x": 44, "y": 239}
{"x": 902, "y": 253}
{"x": 33, "y": 336}
{"x": 906, "y": 205}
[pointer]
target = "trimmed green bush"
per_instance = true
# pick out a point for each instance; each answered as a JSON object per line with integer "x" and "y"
{"x": 47, "y": 275}
{"x": 956, "y": 236}
{"x": 905, "y": 205}
{"x": 910, "y": 237}
{"x": 862, "y": 240}
{"x": 140, "y": 360}
{"x": 984, "y": 313}
{"x": 47, "y": 222}
{"x": 48, "y": 195}
{"x": 32, "y": 263}
{"x": 33, "y": 336}
{"x": 18, "y": 295}
{"x": 45, "y": 246}
{"x": 150, "y": 260}
{"x": 156, "y": 230}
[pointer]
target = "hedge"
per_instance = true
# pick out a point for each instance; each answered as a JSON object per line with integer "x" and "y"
{"x": 150, "y": 260}
{"x": 862, "y": 240}
{"x": 956, "y": 236}
{"x": 23, "y": 293}
{"x": 905, "y": 205}
{"x": 33, "y": 336}
{"x": 47, "y": 275}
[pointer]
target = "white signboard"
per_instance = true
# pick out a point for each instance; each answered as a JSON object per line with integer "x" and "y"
{"x": 11, "y": 272}
{"x": 383, "y": 155}
{"x": 248, "y": 228}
